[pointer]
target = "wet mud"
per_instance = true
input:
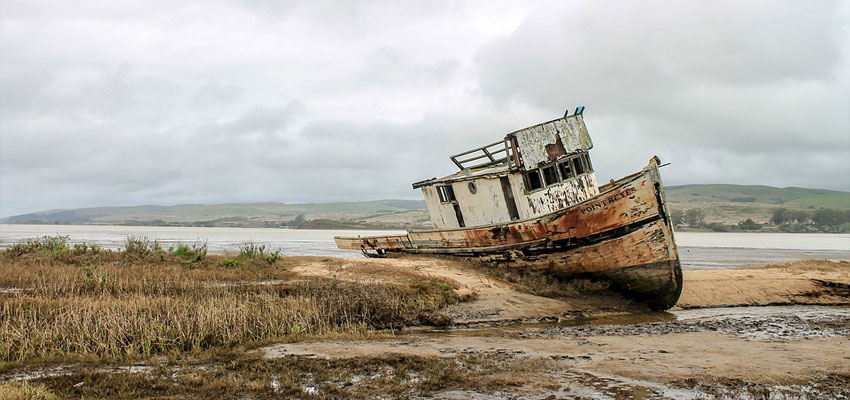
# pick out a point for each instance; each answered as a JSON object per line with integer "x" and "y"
{"x": 769, "y": 323}
{"x": 750, "y": 352}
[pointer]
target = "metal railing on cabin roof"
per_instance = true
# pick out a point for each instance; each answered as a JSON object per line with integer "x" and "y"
{"x": 491, "y": 154}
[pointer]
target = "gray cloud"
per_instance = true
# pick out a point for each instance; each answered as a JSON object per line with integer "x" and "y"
{"x": 202, "y": 102}
{"x": 745, "y": 92}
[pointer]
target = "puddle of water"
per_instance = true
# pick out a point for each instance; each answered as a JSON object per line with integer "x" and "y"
{"x": 771, "y": 323}
{"x": 740, "y": 312}
{"x": 70, "y": 370}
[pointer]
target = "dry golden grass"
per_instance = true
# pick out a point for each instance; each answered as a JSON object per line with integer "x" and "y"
{"x": 25, "y": 391}
{"x": 128, "y": 306}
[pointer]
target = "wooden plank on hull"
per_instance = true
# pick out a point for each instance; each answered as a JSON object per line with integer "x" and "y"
{"x": 646, "y": 245}
{"x": 391, "y": 242}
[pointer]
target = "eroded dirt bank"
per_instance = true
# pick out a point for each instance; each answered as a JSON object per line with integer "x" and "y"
{"x": 793, "y": 282}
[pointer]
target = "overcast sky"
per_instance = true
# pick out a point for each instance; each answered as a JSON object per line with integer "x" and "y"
{"x": 169, "y": 102}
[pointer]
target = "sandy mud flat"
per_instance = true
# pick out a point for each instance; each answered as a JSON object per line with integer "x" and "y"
{"x": 778, "y": 331}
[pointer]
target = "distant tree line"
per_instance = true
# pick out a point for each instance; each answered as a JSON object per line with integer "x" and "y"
{"x": 299, "y": 220}
{"x": 822, "y": 220}
{"x": 694, "y": 218}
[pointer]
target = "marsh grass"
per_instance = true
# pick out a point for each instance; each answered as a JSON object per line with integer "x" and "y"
{"x": 25, "y": 391}
{"x": 132, "y": 304}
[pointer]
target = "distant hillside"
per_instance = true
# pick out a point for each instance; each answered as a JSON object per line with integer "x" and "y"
{"x": 379, "y": 213}
{"x": 788, "y": 197}
{"x": 728, "y": 204}
{"x": 733, "y": 203}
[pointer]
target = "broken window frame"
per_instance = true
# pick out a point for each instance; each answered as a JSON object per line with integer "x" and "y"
{"x": 446, "y": 193}
{"x": 527, "y": 178}
{"x": 565, "y": 176}
{"x": 554, "y": 172}
{"x": 573, "y": 164}
{"x": 578, "y": 166}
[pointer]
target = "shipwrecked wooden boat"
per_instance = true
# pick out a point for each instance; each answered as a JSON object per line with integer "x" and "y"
{"x": 532, "y": 201}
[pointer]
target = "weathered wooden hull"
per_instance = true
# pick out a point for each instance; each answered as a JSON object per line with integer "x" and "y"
{"x": 623, "y": 234}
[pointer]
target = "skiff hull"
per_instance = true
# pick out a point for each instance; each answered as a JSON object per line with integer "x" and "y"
{"x": 623, "y": 235}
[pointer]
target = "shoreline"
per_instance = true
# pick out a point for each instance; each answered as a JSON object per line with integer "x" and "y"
{"x": 331, "y": 225}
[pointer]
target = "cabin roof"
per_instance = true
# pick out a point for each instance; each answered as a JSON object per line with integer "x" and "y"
{"x": 466, "y": 175}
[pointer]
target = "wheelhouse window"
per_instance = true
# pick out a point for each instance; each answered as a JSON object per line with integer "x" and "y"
{"x": 550, "y": 175}
{"x": 532, "y": 180}
{"x": 446, "y": 193}
{"x": 578, "y": 165}
{"x": 553, "y": 173}
{"x": 566, "y": 170}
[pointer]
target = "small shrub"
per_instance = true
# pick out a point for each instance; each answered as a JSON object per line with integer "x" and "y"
{"x": 718, "y": 227}
{"x": 192, "y": 254}
{"x": 80, "y": 249}
{"x": 228, "y": 262}
{"x": 138, "y": 246}
{"x": 18, "y": 249}
{"x": 143, "y": 248}
{"x": 749, "y": 225}
{"x": 251, "y": 251}
{"x": 272, "y": 257}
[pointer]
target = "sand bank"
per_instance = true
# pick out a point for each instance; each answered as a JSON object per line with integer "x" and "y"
{"x": 811, "y": 282}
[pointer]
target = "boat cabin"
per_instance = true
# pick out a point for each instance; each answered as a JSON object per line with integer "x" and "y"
{"x": 532, "y": 172}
